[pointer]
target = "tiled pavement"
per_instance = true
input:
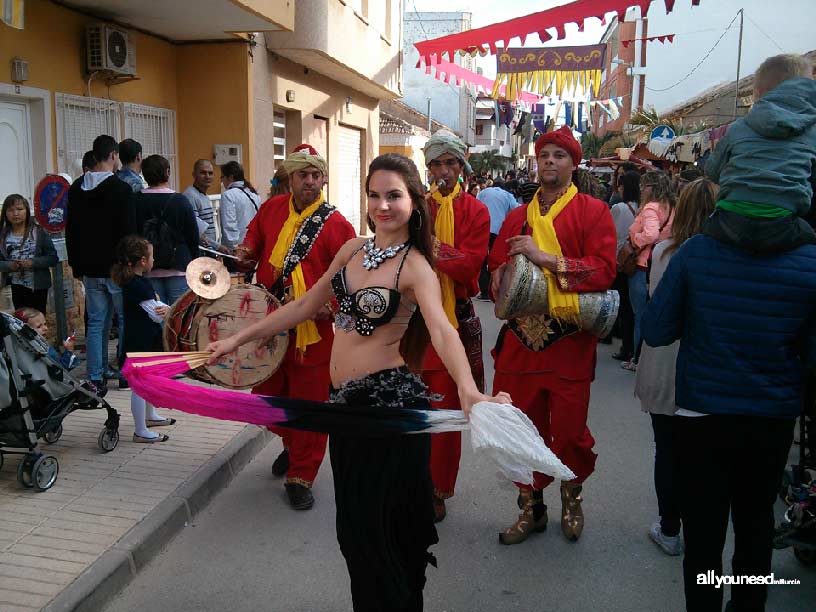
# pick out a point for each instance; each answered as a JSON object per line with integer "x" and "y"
{"x": 48, "y": 540}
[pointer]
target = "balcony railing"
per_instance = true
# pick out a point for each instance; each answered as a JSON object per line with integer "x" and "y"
{"x": 486, "y": 141}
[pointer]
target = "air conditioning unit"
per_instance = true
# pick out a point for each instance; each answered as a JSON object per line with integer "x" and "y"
{"x": 109, "y": 49}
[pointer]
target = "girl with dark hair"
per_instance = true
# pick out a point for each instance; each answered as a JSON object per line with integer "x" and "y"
{"x": 390, "y": 305}
{"x": 143, "y": 314}
{"x": 652, "y": 224}
{"x": 26, "y": 254}
{"x": 239, "y": 203}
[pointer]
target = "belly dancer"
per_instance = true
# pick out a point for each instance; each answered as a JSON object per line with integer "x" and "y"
{"x": 390, "y": 306}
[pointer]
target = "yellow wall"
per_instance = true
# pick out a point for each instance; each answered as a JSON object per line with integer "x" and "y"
{"x": 213, "y": 96}
{"x": 208, "y": 85}
{"x": 53, "y": 43}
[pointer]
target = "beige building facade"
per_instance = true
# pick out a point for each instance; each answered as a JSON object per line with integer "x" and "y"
{"x": 322, "y": 84}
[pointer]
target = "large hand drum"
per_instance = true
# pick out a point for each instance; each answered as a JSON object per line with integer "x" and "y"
{"x": 193, "y": 322}
{"x": 523, "y": 292}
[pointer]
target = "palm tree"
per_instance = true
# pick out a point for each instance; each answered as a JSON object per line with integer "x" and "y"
{"x": 488, "y": 161}
{"x": 592, "y": 144}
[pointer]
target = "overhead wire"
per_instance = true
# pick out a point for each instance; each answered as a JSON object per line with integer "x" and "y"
{"x": 700, "y": 63}
{"x": 761, "y": 31}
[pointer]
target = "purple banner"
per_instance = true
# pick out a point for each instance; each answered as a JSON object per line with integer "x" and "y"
{"x": 586, "y": 57}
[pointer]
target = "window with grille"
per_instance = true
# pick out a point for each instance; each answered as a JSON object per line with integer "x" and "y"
{"x": 279, "y": 137}
{"x": 155, "y": 129}
{"x": 81, "y": 119}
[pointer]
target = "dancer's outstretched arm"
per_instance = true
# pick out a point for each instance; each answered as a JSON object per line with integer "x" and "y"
{"x": 288, "y": 316}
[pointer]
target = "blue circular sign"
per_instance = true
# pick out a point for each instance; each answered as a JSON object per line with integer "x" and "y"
{"x": 662, "y": 132}
{"x": 51, "y": 202}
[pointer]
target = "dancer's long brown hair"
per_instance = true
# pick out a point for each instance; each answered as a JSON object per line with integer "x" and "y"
{"x": 416, "y": 338}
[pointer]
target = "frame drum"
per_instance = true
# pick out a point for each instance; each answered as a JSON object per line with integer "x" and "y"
{"x": 193, "y": 322}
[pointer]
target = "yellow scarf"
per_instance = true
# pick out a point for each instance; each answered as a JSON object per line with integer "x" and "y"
{"x": 305, "y": 333}
{"x": 563, "y": 304}
{"x": 443, "y": 227}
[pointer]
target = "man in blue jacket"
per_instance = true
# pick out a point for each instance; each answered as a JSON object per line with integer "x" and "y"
{"x": 741, "y": 298}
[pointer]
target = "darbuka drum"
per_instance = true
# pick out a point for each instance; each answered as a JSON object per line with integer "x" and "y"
{"x": 193, "y": 322}
{"x": 523, "y": 292}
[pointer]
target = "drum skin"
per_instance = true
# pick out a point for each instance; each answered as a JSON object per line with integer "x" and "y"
{"x": 194, "y": 322}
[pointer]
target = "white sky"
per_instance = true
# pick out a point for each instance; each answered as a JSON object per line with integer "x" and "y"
{"x": 789, "y": 29}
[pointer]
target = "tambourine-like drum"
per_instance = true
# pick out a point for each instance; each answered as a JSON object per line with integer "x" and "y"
{"x": 193, "y": 322}
{"x": 523, "y": 292}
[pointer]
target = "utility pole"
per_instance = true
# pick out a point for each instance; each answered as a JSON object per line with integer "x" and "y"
{"x": 739, "y": 60}
{"x": 429, "y": 115}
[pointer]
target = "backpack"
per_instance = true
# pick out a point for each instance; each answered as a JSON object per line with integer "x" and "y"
{"x": 158, "y": 232}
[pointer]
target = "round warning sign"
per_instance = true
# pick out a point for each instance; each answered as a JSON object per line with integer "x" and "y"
{"x": 51, "y": 202}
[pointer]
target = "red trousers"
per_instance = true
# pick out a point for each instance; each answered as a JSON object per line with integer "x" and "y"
{"x": 558, "y": 407}
{"x": 306, "y": 448}
{"x": 446, "y": 448}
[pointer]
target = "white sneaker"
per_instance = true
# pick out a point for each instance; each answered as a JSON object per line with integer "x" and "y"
{"x": 671, "y": 545}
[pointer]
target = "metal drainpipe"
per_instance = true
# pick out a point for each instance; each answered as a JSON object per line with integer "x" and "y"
{"x": 636, "y": 64}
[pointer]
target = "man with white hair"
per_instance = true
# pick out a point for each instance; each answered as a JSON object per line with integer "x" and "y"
{"x": 294, "y": 238}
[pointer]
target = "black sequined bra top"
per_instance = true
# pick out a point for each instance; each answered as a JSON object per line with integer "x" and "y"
{"x": 368, "y": 308}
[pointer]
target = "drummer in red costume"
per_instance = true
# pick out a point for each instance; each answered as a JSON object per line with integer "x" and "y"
{"x": 294, "y": 238}
{"x": 462, "y": 233}
{"x": 544, "y": 361}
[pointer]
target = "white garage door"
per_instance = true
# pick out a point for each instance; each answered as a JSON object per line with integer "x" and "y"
{"x": 15, "y": 151}
{"x": 348, "y": 166}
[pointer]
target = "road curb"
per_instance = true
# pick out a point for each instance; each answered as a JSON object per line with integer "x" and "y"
{"x": 115, "y": 568}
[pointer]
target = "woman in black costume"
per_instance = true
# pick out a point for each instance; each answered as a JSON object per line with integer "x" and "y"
{"x": 390, "y": 306}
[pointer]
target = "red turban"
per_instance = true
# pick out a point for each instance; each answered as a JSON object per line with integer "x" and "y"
{"x": 564, "y": 139}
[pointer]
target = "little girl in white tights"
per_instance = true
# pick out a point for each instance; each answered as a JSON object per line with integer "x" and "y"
{"x": 143, "y": 315}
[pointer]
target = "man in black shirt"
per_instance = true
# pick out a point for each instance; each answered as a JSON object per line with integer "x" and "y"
{"x": 97, "y": 219}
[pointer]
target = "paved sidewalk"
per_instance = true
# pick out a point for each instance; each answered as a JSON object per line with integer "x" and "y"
{"x": 75, "y": 545}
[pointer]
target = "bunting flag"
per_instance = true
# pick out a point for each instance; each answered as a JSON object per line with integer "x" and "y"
{"x": 498, "y": 35}
{"x": 548, "y": 70}
{"x": 13, "y": 14}
{"x": 663, "y": 39}
{"x": 447, "y": 72}
{"x": 540, "y": 118}
{"x": 568, "y": 117}
{"x": 500, "y": 431}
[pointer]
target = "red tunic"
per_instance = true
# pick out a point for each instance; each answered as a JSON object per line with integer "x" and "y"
{"x": 260, "y": 239}
{"x": 462, "y": 260}
{"x": 586, "y": 234}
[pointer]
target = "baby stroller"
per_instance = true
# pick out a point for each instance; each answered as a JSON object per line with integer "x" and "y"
{"x": 798, "y": 491}
{"x": 36, "y": 394}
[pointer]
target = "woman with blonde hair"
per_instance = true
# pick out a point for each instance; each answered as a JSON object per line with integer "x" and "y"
{"x": 654, "y": 385}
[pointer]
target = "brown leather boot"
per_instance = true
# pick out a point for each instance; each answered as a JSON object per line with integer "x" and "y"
{"x": 527, "y": 522}
{"x": 572, "y": 516}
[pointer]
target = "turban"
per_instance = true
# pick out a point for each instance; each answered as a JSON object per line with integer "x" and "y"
{"x": 444, "y": 141}
{"x": 564, "y": 139}
{"x": 302, "y": 157}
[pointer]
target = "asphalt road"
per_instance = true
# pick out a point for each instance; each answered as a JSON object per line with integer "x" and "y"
{"x": 248, "y": 551}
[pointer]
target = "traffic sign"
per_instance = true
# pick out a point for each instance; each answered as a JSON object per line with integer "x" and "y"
{"x": 662, "y": 132}
{"x": 51, "y": 202}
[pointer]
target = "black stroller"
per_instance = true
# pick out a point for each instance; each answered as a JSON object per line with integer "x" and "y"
{"x": 36, "y": 394}
{"x": 798, "y": 491}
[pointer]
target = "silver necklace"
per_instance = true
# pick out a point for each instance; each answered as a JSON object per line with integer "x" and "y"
{"x": 373, "y": 256}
